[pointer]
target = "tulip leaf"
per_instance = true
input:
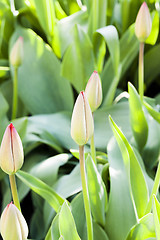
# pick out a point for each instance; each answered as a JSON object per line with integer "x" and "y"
{"x": 142, "y": 230}
{"x": 138, "y": 120}
{"x": 77, "y": 207}
{"x": 152, "y": 112}
{"x": 67, "y": 225}
{"x": 46, "y": 15}
{"x": 97, "y": 15}
{"x": 37, "y": 91}
{"x": 120, "y": 214}
{"x": 110, "y": 35}
{"x": 42, "y": 189}
{"x": 139, "y": 192}
{"x": 80, "y": 58}
{"x": 156, "y": 214}
{"x": 53, "y": 233}
{"x": 129, "y": 47}
{"x": 155, "y": 29}
{"x": 97, "y": 192}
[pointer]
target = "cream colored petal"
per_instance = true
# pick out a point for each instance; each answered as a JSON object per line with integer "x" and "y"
{"x": 93, "y": 91}
{"x": 88, "y": 119}
{"x": 6, "y": 158}
{"x": 78, "y": 125}
{"x": 17, "y": 149}
{"x": 10, "y": 227}
{"x": 23, "y": 224}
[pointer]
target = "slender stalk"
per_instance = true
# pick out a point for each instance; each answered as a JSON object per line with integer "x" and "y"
{"x": 93, "y": 150}
{"x": 14, "y": 191}
{"x": 154, "y": 189}
{"x": 85, "y": 194}
{"x": 15, "y": 93}
{"x": 141, "y": 71}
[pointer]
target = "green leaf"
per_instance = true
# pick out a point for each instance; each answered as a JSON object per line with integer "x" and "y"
{"x": 4, "y": 72}
{"x": 120, "y": 216}
{"x": 78, "y": 61}
{"x": 47, "y": 170}
{"x": 97, "y": 192}
{"x": 155, "y": 29}
{"x": 42, "y": 189}
{"x": 152, "y": 112}
{"x": 97, "y": 16}
{"x": 77, "y": 207}
{"x": 142, "y": 230}
{"x": 139, "y": 192}
{"x": 151, "y": 70}
{"x": 156, "y": 214}
{"x": 129, "y": 47}
{"x": 53, "y": 232}
{"x": 37, "y": 91}
{"x": 110, "y": 35}
{"x": 138, "y": 119}
{"x": 46, "y": 15}
{"x": 67, "y": 225}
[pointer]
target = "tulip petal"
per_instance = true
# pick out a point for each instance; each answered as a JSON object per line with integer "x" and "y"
{"x": 17, "y": 149}
{"x": 6, "y": 157}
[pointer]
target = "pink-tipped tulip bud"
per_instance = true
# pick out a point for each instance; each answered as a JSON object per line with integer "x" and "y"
{"x": 12, "y": 224}
{"x": 143, "y": 23}
{"x": 82, "y": 125}
{"x": 93, "y": 91}
{"x": 11, "y": 151}
{"x": 16, "y": 56}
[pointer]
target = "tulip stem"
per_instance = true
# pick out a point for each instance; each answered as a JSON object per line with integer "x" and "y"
{"x": 141, "y": 71}
{"x": 85, "y": 194}
{"x": 154, "y": 189}
{"x": 14, "y": 191}
{"x": 15, "y": 93}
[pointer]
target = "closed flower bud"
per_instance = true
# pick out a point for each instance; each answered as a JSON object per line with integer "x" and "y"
{"x": 82, "y": 125}
{"x": 13, "y": 226}
{"x": 143, "y": 23}
{"x": 16, "y": 55}
{"x": 11, "y": 151}
{"x": 93, "y": 91}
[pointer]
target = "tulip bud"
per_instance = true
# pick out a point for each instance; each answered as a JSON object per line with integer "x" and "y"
{"x": 11, "y": 151}
{"x": 93, "y": 91}
{"x": 16, "y": 55}
{"x": 82, "y": 125}
{"x": 13, "y": 226}
{"x": 143, "y": 23}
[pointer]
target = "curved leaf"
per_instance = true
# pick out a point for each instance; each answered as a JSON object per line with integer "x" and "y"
{"x": 137, "y": 117}
{"x": 42, "y": 189}
{"x": 39, "y": 76}
{"x": 67, "y": 225}
{"x": 139, "y": 192}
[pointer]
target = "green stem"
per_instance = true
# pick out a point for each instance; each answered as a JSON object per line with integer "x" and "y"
{"x": 154, "y": 189}
{"x": 141, "y": 71}
{"x": 14, "y": 191}
{"x": 15, "y": 93}
{"x": 85, "y": 194}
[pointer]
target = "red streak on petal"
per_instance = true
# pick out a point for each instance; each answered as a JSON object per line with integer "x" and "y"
{"x": 11, "y": 126}
{"x": 95, "y": 71}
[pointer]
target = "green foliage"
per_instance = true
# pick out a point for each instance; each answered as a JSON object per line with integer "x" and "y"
{"x": 63, "y": 43}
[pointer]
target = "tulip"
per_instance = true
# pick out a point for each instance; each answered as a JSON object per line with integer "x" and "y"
{"x": 143, "y": 23}
{"x": 82, "y": 125}
{"x": 93, "y": 91}
{"x": 11, "y": 151}
{"x": 13, "y": 226}
{"x": 16, "y": 55}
